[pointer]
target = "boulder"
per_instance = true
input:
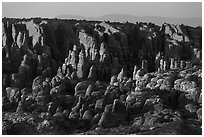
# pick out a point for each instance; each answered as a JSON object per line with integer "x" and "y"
{"x": 77, "y": 107}
{"x": 93, "y": 74}
{"x": 138, "y": 121}
{"x": 200, "y": 99}
{"x": 55, "y": 81}
{"x": 29, "y": 101}
{"x": 14, "y": 95}
{"x": 199, "y": 113}
{"x": 149, "y": 103}
{"x": 121, "y": 75}
{"x": 43, "y": 100}
{"x": 96, "y": 95}
{"x": 83, "y": 108}
{"x": 113, "y": 79}
{"x": 59, "y": 109}
{"x": 109, "y": 97}
{"x": 99, "y": 106}
{"x": 89, "y": 90}
{"x": 158, "y": 107}
{"x": 66, "y": 113}
{"x": 21, "y": 107}
{"x": 82, "y": 86}
{"x": 135, "y": 72}
{"x": 191, "y": 108}
{"x": 88, "y": 115}
{"x": 58, "y": 117}
{"x": 43, "y": 93}
{"x": 95, "y": 119}
{"x": 119, "y": 107}
{"x": 74, "y": 115}
{"x": 130, "y": 99}
{"x": 16, "y": 81}
{"x": 108, "y": 120}
{"x": 60, "y": 89}
{"x": 155, "y": 119}
{"x": 36, "y": 83}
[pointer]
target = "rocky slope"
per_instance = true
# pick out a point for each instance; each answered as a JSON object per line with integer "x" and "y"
{"x": 69, "y": 76}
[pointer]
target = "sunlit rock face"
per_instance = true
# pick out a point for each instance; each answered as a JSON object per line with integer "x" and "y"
{"x": 100, "y": 43}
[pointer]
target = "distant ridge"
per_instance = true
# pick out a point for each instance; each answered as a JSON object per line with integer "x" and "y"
{"x": 67, "y": 16}
{"x": 154, "y": 19}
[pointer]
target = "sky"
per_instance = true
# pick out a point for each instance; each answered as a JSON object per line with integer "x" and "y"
{"x": 97, "y": 9}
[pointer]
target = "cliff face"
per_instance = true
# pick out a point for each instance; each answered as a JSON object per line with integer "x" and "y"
{"x": 106, "y": 46}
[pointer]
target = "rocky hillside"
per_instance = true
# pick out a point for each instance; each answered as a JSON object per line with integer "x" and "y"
{"x": 70, "y": 76}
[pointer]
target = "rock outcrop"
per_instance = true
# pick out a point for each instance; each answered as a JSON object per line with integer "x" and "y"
{"x": 85, "y": 75}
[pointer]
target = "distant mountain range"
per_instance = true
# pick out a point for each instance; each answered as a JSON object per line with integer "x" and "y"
{"x": 124, "y": 18}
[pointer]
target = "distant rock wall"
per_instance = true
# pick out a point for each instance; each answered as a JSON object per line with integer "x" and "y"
{"x": 103, "y": 47}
